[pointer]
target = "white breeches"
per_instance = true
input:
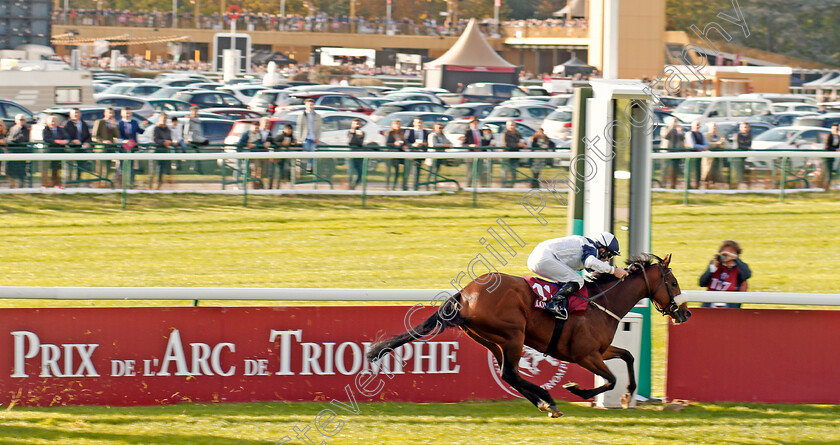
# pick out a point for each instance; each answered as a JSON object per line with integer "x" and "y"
{"x": 545, "y": 264}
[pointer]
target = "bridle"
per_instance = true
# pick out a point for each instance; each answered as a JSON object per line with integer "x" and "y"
{"x": 673, "y": 305}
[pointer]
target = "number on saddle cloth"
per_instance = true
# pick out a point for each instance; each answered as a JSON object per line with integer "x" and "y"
{"x": 544, "y": 289}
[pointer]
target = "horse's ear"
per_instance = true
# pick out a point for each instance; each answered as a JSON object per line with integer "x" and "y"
{"x": 666, "y": 260}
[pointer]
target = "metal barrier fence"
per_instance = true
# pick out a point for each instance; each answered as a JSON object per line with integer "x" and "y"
{"x": 435, "y": 166}
{"x": 344, "y": 294}
{"x": 442, "y": 170}
{"x": 775, "y": 168}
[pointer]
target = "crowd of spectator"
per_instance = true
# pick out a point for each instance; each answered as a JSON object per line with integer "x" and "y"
{"x": 320, "y": 22}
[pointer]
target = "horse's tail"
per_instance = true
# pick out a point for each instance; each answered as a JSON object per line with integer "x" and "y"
{"x": 447, "y": 316}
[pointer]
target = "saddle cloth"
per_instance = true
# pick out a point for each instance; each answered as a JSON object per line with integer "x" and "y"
{"x": 543, "y": 290}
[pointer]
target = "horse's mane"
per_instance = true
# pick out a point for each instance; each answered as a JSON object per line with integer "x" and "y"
{"x": 635, "y": 264}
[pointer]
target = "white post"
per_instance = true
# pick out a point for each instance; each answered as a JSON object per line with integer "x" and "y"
{"x": 283, "y": 9}
{"x": 115, "y": 60}
{"x": 387, "y": 17}
{"x": 174, "y": 13}
{"x": 67, "y": 12}
{"x": 496, "y": 5}
{"x": 233, "y": 47}
{"x": 610, "y": 68}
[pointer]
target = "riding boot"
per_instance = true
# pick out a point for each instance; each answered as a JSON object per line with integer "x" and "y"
{"x": 555, "y": 305}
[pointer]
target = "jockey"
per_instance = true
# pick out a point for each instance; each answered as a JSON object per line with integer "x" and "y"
{"x": 558, "y": 260}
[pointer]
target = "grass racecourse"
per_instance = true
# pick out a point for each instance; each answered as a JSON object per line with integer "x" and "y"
{"x": 392, "y": 243}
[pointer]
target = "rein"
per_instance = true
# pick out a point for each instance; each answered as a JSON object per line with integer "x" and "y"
{"x": 598, "y": 295}
{"x": 647, "y": 284}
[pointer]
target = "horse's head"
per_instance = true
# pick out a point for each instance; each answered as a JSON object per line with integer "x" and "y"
{"x": 663, "y": 289}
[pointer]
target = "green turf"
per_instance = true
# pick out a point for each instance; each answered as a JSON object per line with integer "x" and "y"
{"x": 393, "y": 243}
{"x": 514, "y": 422}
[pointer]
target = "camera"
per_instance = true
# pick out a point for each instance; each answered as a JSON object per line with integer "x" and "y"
{"x": 721, "y": 258}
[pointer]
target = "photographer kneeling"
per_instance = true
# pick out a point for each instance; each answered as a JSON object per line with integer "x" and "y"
{"x": 726, "y": 272}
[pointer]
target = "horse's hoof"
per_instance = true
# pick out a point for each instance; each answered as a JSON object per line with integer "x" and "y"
{"x": 625, "y": 400}
{"x": 555, "y": 414}
{"x": 570, "y": 386}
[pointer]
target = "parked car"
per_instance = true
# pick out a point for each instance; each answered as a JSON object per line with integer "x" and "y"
{"x": 789, "y": 138}
{"x": 558, "y": 124}
{"x": 209, "y": 99}
{"x": 469, "y": 110}
{"x": 401, "y": 96}
{"x": 234, "y": 113}
{"x": 211, "y": 86}
{"x": 784, "y": 107}
{"x": 337, "y": 89}
{"x": 137, "y": 105}
{"x": 780, "y": 97}
{"x": 244, "y": 92}
{"x": 180, "y": 75}
{"x": 283, "y": 111}
{"x": 536, "y": 99}
{"x": 670, "y": 103}
{"x": 336, "y": 124}
{"x": 491, "y": 92}
{"x": 781, "y": 119}
{"x": 169, "y": 105}
{"x": 181, "y": 81}
{"x": 537, "y": 91}
{"x": 343, "y": 102}
{"x": 376, "y": 102}
{"x": 100, "y": 86}
{"x": 412, "y": 105}
{"x": 377, "y": 91}
{"x": 407, "y": 117}
{"x": 717, "y": 109}
{"x": 214, "y": 130}
{"x": 131, "y": 89}
{"x": 9, "y": 109}
{"x": 560, "y": 100}
{"x": 166, "y": 92}
{"x": 266, "y": 101}
{"x": 530, "y": 113}
{"x": 820, "y": 120}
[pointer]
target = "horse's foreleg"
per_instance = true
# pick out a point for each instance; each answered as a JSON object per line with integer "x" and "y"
{"x": 595, "y": 364}
{"x": 536, "y": 395}
{"x": 615, "y": 352}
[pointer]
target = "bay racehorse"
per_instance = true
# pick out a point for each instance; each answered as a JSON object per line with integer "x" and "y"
{"x": 502, "y": 318}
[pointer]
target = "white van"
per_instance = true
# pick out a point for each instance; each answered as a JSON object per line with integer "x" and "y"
{"x": 780, "y": 97}
{"x": 721, "y": 109}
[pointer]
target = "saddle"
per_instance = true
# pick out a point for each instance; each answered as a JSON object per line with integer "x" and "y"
{"x": 575, "y": 304}
{"x": 544, "y": 289}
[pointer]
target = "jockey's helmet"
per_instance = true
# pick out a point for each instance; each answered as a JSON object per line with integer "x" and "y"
{"x": 607, "y": 240}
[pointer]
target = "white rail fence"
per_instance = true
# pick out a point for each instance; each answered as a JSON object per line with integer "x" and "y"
{"x": 339, "y": 294}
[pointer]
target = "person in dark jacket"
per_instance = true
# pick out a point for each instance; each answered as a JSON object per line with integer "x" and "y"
{"x": 511, "y": 141}
{"x": 16, "y": 142}
{"x": 743, "y": 141}
{"x": 163, "y": 143}
{"x": 284, "y": 140}
{"x": 395, "y": 142}
{"x": 832, "y": 143}
{"x": 356, "y": 141}
{"x": 56, "y": 140}
{"x": 726, "y": 272}
{"x": 80, "y": 138}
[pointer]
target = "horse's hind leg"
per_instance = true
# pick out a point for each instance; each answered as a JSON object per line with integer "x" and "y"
{"x": 595, "y": 364}
{"x": 615, "y": 352}
{"x": 536, "y": 395}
